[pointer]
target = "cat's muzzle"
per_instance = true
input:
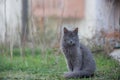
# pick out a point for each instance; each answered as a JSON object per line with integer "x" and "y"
{"x": 71, "y": 43}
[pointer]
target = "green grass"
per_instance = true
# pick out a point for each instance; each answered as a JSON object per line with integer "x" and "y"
{"x": 51, "y": 66}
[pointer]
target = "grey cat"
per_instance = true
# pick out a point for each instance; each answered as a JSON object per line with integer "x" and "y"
{"x": 79, "y": 58}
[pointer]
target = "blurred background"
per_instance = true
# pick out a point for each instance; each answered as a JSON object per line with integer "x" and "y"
{"x": 38, "y": 23}
{"x": 31, "y": 27}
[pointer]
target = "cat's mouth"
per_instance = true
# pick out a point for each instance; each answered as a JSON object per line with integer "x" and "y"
{"x": 71, "y": 45}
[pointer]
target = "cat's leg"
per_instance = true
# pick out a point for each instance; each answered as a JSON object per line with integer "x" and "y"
{"x": 77, "y": 64}
{"x": 74, "y": 67}
{"x": 70, "y": 66}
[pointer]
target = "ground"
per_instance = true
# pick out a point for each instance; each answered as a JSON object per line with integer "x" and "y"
{"x": 51, "y": 66}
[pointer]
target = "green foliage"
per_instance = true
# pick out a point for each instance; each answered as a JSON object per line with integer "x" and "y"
{"x": 51, "y": 66}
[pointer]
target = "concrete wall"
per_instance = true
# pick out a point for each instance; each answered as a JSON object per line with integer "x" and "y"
{"x": 87, "y": 25}
{"x": 13, "y": 17}
{"x": 2, "y": 26}
{"x": 99, "y": 14}
{"x": 107, "y": 19}
{"x": 104, "y": 15}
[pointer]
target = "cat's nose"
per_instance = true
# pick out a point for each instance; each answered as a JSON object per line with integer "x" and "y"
{"x": 71, "y": 42}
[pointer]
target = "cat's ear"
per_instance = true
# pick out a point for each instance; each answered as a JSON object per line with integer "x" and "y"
{"x": 76, "y": 30}
{"x": 65, "y": 30}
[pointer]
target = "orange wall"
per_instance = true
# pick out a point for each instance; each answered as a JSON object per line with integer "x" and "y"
{"x": 69, "y": 8}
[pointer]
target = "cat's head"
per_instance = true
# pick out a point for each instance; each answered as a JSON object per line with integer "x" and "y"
{"x": 70, "y": 37}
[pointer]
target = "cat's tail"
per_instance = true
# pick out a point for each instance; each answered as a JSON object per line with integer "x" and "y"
{"x": 79, "y": 74}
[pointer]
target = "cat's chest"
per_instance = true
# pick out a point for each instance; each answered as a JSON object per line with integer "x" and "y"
{"x": 70, "y": 52}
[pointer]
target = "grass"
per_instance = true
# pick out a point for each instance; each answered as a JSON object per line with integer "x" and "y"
{"x": 51, "y": 66}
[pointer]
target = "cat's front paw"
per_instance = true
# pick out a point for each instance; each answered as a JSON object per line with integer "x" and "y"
{"x": 67, "y": 74}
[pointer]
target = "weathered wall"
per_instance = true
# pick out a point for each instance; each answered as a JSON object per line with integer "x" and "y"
{"x": 104, "y": 15}
{"x": 107, "y": 15}
{"x": 107, "y": 20}
{"x": 2, "y": 26}
{"x": 88, "y": 24}
{"x": 98, "y": 14}
{"x": 13, "y": 18}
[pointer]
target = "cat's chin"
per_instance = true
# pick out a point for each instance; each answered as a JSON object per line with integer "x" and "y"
{"x": 70, "y": 45}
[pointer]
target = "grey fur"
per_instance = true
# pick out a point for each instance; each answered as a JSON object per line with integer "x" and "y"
{"x": 79, "y": 58}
